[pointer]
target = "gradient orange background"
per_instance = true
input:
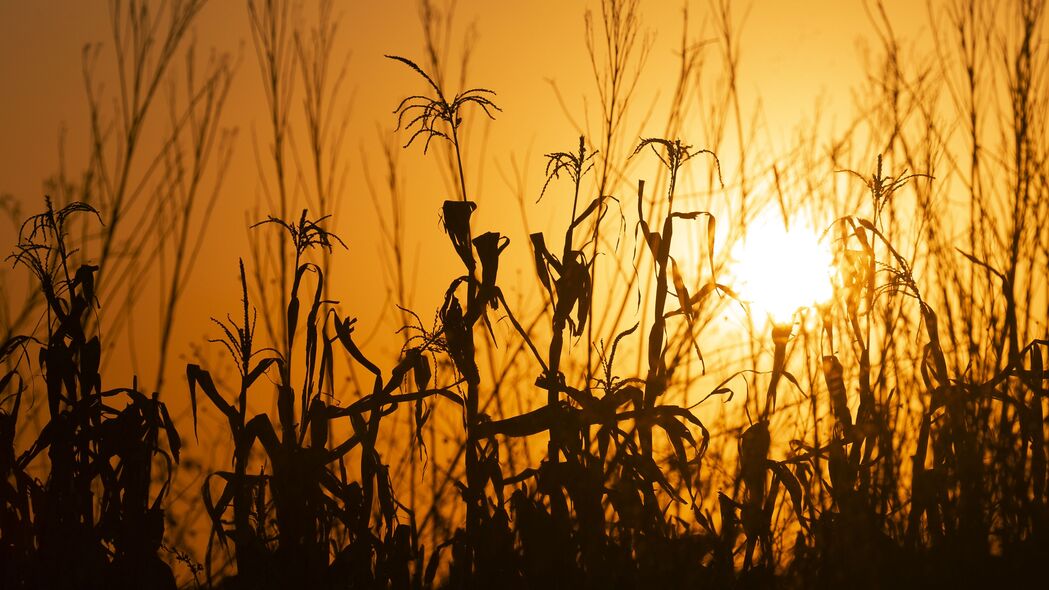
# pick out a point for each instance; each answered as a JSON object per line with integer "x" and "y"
{"x": 797, "y": 57}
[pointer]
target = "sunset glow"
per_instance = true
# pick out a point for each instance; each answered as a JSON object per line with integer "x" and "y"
{"x": 461, "y": 294}
{"x": 778, "y": 269}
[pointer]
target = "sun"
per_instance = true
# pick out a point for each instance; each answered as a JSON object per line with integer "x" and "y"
{"x": 779, "y": 268}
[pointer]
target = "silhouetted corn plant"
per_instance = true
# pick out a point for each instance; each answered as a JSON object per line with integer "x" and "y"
{"x": 562, "y": 542}
{"x": 96, "y": 519}
{"x": 482, "y": 550}
{"x": 568, "y": 285}
{"x": 659, "y": 242}
{"x": 303, "y": 518}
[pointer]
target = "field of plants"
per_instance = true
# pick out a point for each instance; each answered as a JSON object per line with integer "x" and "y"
{"x": 716, "y": 362}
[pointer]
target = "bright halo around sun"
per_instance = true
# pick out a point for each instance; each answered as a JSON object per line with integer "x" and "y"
{"x": 779, "y": 269}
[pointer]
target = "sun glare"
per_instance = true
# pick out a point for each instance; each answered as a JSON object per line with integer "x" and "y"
{"x": 779, "y": 269}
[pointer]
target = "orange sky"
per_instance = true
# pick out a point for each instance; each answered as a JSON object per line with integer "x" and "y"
{"x": 795, "y": 55}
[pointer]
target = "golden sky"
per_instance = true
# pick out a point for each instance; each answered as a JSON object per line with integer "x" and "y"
{"x": 803, "y": 67}
{"x": 795, "y": 57}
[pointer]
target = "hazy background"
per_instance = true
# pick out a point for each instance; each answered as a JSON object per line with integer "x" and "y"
{"x": 816, "y": 96}
{"x": 797, "y": 58}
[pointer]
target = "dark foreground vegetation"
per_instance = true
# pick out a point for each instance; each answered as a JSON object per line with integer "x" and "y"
{"x": 898, "y": 441}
